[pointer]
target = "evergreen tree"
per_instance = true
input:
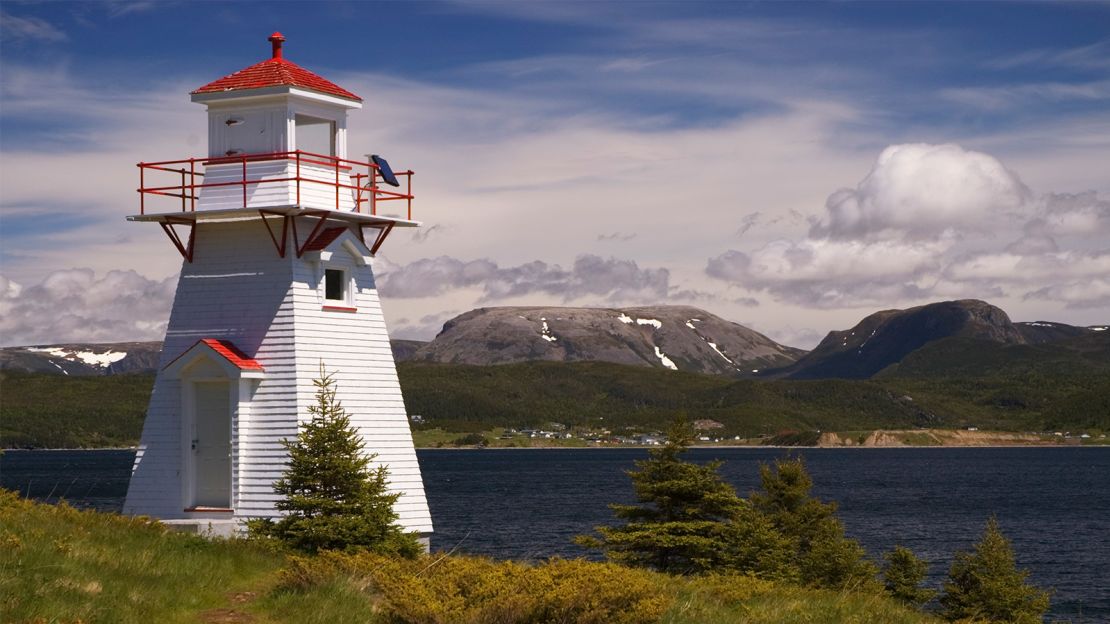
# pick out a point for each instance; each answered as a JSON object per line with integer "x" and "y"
{"x": 682, "y": 522}
{"x": 331, "y": 498}
{"x": 825, "y": 557}
{"x": 903, "y": 576}
{"x": 987, "y": 585}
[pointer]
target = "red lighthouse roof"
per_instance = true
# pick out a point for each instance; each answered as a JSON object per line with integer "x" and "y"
{"x": 276, "y": 72}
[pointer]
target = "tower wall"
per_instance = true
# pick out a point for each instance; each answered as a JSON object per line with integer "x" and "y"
{"x": 355, "y": 346}
{"x": 239, "y": 289}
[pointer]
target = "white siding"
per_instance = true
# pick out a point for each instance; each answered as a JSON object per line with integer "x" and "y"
{"x": 317, "y": 187}
{"x": 237, "y": 288}
{"x": 355, "y": 345}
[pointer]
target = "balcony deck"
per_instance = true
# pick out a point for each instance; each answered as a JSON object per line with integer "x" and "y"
{"x": 250, "y": 213}
{"x": 287, "y": 183}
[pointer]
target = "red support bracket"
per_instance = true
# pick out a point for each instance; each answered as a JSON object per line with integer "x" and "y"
{"x": 187, "y": 248}
{"x": 323, "y": 215}
{"x": 383, "y": 230}
{"x": 285, "y": 219}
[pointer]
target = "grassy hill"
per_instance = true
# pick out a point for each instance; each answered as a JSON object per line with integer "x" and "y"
{"x": 950, "y": 383}
{"x": 62, "y": 565}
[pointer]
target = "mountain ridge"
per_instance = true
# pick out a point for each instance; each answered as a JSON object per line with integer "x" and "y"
{"x": 885, "y": 338}
{"x": 675, "y": 337}
{"x": 669, "y": 337}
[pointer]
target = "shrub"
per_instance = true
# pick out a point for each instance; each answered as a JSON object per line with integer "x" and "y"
{"x": 753, "y": 545}
{"x": 681, "y": 524}
{"x": 331, "y": 498}
{"x": 825, "y": 557}
{"x": 987, "y": 585}
{"x": 903, "y": 576}
{"x": 474, "y": 590}
{"x": 471, "y": 439}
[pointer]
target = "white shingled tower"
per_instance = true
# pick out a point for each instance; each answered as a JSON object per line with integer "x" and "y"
{"x": 277, "y": 228}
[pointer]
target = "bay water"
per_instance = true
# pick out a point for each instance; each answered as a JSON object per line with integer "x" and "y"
{"x": 1053, "y": 503}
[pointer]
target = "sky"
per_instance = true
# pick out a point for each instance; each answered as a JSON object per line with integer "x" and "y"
{"x": 788, "y": 166}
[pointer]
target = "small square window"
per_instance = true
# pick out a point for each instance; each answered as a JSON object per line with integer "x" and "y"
{"x": 335, "y": 287}
{"x": 316, "y": 136}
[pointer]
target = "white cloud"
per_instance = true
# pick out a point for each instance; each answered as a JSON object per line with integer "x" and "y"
{"x": 996, "y": 99}
{"x": 830, "y": 273}
{"x": 1075, "y": 214}
{"x": 930, "y": 222}
{"x": 1038, "y": 268}
{"x": 1078, "y": 294}
{"x": 919, "y": 191}
{"x": 423, "y": 328}
{"x": 75, "y": 305}
{"x": 590, "y": 275}
{"x": 31, "y": 29}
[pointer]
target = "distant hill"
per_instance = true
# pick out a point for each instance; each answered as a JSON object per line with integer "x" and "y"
{"x": 405, "y": 350}
{"x": 675, "y": 337}
{"x": 1039, "y": 332}
{"x": 82, "y": 359}
{"x": 667, "y": 337}
{"x": 117, "y": 358}
{"x": 884, "y": 338}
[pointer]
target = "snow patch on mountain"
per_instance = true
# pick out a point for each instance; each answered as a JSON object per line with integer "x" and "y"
{"x": 664, "y": 359}
{"x": 719, "y": 352}
{"x": 546, "y": 332}
{"x": 87, "y": 357}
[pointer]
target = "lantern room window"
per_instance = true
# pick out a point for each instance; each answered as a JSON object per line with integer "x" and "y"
{"x": 335, "y": 285}
{"x": 315, "y": 135}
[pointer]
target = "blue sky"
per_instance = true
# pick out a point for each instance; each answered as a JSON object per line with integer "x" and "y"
{"x": 704, "y": 140}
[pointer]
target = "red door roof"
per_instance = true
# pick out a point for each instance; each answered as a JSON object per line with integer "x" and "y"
{"x": 275, "y": 72}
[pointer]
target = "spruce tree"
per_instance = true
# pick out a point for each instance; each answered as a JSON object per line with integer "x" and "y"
{"x": 681, "y": 522}
{"x": 331, "y": 498}
{"x": 824, "y": 556}
{"x": 987, "y": 585}
{"x": 903, "y": 576}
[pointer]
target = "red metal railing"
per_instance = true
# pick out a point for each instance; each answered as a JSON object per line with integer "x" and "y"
{"x": 364, "y": 177}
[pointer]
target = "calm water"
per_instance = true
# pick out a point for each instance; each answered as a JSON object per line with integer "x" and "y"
{"x": 1053, "y": 503}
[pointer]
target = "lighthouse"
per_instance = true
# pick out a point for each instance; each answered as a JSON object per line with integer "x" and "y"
{"x": 277, "y": 227}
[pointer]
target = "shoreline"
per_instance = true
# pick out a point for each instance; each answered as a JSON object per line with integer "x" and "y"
{"x": 638, "y": 447}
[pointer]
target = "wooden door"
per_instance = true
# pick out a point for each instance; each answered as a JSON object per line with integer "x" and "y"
{"x": 212, "y": 444}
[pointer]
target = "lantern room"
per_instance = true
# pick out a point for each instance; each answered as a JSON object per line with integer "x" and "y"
{"x": 277, "y": 147}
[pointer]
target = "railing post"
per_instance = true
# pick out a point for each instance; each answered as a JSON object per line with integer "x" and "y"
{"x": 182, "y": 189}
{"x": 244, "y": 180}
{"x": 142, "y": 186}
{"x": 373, "y": 188}
{"x": 298, "y": 152}
{"x": 335, "y": 159}
{"x": 410, "y": 195}
{"x": 193, "y": 184}
{"x": 358, "y": 192}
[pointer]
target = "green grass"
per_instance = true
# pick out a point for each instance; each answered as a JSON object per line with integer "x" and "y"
{"x": 59, "y": 564}
{"x": 62, "y": 565}
{"x": 752, "y": 601}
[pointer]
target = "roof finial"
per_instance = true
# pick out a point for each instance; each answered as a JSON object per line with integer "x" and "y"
{"x": 276, "y": 40}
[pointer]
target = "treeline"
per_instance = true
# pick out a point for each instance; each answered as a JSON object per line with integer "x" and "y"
{"x": 57, "y": 411}
{"x": 615, "y": 397}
